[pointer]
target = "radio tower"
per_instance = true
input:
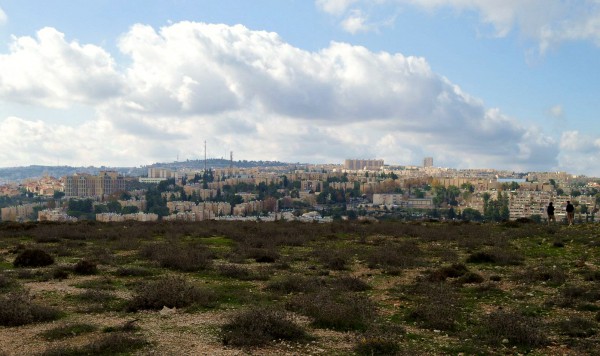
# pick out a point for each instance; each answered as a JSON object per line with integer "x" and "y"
{"x": 230, "y": 159}
{"x": 204, "y": 155}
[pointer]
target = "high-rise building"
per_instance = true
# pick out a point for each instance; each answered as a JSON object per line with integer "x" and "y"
{"x": 366, "y": 164}
{"x": 428, "y": 162}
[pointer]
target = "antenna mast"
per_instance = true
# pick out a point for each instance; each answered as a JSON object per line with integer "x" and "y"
{"x": 204, "y": 155}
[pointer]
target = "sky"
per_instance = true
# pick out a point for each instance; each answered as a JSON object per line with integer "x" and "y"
{"x": 505, "y": 84}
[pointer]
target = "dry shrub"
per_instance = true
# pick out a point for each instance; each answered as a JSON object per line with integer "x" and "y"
{"x": 382, "y": 339}
{"x": 293, "y": 283}
{"x": 171, "y": 292}
{"x": 350, "y": 284}
{"x": 107, "y": 344}
{"x": 336, "y": 311}
{"x": 17, "y": 308}
{"x": 333, "y": 258}
{"x": 518, "y": 329}
{"x": 259, "y": 326}
{"x": 551, "y": 275}
{"x": 438, "y": 306}
{"x": 395, "y": 255}
{"x": 85, "y": 267}
{"x": 179, "y": 257}
{"x": 576, "y": 326}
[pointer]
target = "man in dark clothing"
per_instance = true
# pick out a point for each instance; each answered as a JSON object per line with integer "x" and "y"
{"x": 550, "y": 212}
{"x": 570, "y": 213}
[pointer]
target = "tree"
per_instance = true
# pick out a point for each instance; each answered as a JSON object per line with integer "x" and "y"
{"x": 471, "y": 215}
{"x": 451, "y": 214}
{"x": 114, "y": 206}
{"x": 130, "y": 210}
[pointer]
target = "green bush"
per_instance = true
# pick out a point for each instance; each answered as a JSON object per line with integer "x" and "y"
{"x": 259, "y": 326}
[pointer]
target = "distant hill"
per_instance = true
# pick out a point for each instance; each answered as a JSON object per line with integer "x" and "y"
{"x": 15, "y": 174}
{"x": 216, "y": 163}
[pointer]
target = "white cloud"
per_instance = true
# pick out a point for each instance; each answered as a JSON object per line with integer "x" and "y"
{"x": 335, "y": 7}
{"x": 579, "y": 153}
{"x": 547, "y": 22}
{"x": 355, "y": 22}
{"x": 49, "y": 71}
{"x": 3, "y": 17}
{"x": 251, "y": 92}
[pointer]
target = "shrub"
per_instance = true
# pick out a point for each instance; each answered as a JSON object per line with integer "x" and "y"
{"x": 577, "y": 327}
{"x": 550, "y": 275}
{"x": 369, "y": 346}
{"x": 235, "y": 271}
{"x": 33, "y": 258}
{"x": 171, "y": 292}
{"x": 453, "y": 271}
{"x": 179, "y": 257}
{"x": 108, "y": 344}
{"x": 60, "y": 273}
{"x": 438, "y": 306}
{"x": 350, "y": 284}
{"x": 16, "y": 308}
{"x": 470, "y": 277}
{"x": 85, "y": 267}
{"x": 381, "y": 340}
{"x": 259, "y": 326}
{"x": 66, "y": 331}
{"x": 340, "y": 312}
{"x": 334, "y": 259}
{"x": 499, "y": 256}
{"x": 395, "y": 255}
{"x": 517, "y": 328}
{"x": 293, "y": 283}
{"x": 6, "y": 282}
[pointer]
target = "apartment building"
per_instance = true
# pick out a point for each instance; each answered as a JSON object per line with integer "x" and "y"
{"x": 363, "y": 164}
{"x": 19, "y": 212}
{"x": 87, "y": 185}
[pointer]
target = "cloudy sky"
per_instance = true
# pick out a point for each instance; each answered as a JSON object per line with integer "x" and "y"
{"x": 510, "y": 84}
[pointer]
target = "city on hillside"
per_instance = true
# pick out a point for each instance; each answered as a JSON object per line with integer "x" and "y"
{"x": 359, "y": 189}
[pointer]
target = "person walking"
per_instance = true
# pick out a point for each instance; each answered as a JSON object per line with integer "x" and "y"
{"x": 550, "y": 212}
{"x": 570, "y": 213}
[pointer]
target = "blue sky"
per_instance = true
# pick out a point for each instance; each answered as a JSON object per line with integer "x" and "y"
{"x": 473, "y": 83}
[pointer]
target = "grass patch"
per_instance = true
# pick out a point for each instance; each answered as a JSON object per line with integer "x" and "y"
{"x": 67, "y": 331}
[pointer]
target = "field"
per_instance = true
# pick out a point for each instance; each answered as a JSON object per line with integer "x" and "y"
{"x": 228, "y": 288}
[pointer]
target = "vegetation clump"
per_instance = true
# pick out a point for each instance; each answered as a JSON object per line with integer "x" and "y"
{"x": 85, "y": 267}
{"x": 170, "y": 292}
{"x": 335, "y": 311}
{"x": 33, "y": 258}
{"x": 17, "y": 308}
{"x": 259, "y": 326}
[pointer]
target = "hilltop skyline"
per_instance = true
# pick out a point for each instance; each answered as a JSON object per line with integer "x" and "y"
{"x": 475, "y": 84}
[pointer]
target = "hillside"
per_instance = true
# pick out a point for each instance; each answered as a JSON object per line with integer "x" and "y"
{"x": 225, "y": 288}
